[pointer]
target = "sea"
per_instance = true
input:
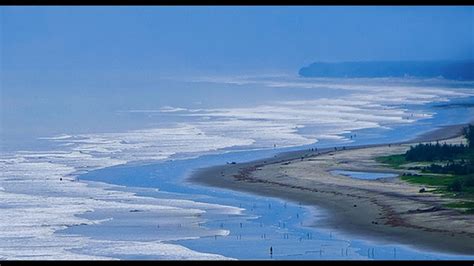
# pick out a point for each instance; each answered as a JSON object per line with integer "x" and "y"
{"x": 104, "y": 174}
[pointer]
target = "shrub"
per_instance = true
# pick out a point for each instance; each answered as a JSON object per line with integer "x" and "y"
{"x": 456, "y": 185}
{"x": 469, "y": 134}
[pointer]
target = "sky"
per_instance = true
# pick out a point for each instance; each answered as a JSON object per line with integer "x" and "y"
{"x": 69, "y": 69}
{"x": 184, "y": 39}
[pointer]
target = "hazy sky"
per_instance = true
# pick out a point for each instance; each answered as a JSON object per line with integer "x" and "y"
{"x": 180, "y": 39}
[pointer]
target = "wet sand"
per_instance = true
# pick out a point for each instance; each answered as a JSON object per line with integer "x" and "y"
{"x": 387, "y": 210}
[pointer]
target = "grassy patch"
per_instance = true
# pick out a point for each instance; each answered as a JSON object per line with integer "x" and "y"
{"x": 442, "y": 184}
{"x": 466, "y": 206}
{"x": 430, "y": 180}
{"x": 461, "y": 204}
{"x": 395, "y": 161}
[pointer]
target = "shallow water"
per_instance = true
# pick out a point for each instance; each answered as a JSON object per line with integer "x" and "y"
{"x": 363, "y": 175}
{"x": 266, "y": 222}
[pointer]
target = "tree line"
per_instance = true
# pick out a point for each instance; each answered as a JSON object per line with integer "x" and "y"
{"x": 460, "y": 160}
{"x": 437, "y": 152}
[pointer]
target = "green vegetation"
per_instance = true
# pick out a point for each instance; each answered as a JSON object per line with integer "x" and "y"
{"x": 469, "y": 134}
{"x": 462, "y": 204}
{"x": 394, "y": 161}
{"x": 455, "y": 168}
{"x": 429, "y": 180}
{"x": 434, "y": 152}
{"x": 447, "y": 168}
{"x": 467, "y": 206}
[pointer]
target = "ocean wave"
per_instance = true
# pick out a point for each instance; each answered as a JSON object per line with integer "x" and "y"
{"x": 40, "y": 195}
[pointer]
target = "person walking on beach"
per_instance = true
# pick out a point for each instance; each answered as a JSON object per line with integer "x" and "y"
{"x": 271, "y": 251}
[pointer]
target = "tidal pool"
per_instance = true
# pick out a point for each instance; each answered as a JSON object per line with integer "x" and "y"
{"x": 364, "y": 175}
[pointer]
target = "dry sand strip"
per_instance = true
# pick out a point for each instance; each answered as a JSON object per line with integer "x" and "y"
{"x": 385, "y": 210}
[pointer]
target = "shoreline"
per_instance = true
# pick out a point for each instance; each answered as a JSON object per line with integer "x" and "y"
{"x": 383, "y": 210}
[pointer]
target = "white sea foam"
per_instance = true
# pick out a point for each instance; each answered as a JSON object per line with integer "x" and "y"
{"x": 367, "y": 103}
{"x": 151, "y": 144}
{"x": 36, "y": 204}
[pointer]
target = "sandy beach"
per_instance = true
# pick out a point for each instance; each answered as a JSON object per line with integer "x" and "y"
{"x": 387, "y": 210}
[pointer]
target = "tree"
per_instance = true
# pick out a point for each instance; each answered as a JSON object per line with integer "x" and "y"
{"x": 469, "y": 134}
{"x": 456, "y": 185}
